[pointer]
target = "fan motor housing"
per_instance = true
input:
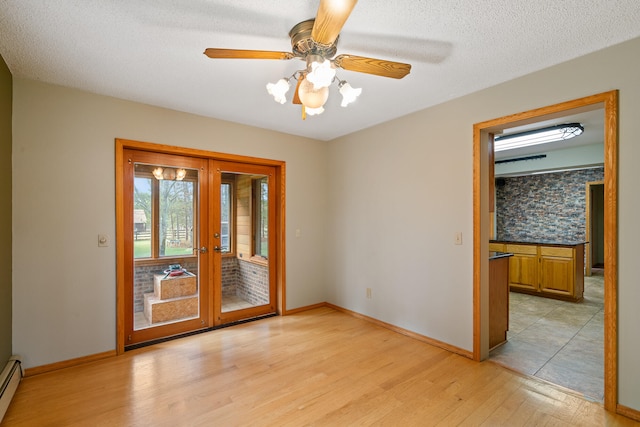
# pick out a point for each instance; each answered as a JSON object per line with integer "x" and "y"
{"x": 302, "y": 44}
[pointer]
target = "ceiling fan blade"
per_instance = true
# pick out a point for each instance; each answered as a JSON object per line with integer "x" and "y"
{"x": 296, "y": 97}
{"x": 378, "y": 67}
{"x": 216, "y": 53}
{"x": 330, "y": 18}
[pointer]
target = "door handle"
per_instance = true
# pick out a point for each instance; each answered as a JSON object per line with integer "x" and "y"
{"x": 217, "y": 248}
{"x": 203, "y": 250}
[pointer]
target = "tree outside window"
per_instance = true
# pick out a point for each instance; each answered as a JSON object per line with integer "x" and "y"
{"x": 167, "y": 208}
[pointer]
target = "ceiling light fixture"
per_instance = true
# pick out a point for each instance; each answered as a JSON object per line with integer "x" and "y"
{"x": 169, "y": 174}
{"x": 313, "y": 86}
{"x": 315, "y": 41}
{"x": 538, "y": 136}
{"x": 158, "y": 173}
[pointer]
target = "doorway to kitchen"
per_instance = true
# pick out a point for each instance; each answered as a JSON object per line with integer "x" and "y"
{"x": 483, "y": 134}
{"x": 200, "y": 241}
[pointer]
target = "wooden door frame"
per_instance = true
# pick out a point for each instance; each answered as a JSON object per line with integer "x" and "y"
{"x": 588, "y": 218}
{"x": 609, "y": 102}
{"x": 280, "y": 262}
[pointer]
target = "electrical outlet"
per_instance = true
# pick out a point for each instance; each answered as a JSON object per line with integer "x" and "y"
{"x": 368, "y": 293}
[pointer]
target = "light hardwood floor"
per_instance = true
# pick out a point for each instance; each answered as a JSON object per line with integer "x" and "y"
{"x": 319, "y": 367}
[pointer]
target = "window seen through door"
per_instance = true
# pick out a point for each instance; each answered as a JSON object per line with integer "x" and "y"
{"x": 163, "y": 211}
{"x": 226, "y": 200}
{"x": 261, "y": 217}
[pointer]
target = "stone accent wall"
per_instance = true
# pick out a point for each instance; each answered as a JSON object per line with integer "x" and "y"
{"x": 143, "y": 280}
{"x": 544, "y": 207}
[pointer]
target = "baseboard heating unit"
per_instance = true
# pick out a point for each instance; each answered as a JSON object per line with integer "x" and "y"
{"x": 9, "y": 380}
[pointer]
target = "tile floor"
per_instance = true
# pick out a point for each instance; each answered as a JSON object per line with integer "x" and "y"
{"x": 560, "y": 342}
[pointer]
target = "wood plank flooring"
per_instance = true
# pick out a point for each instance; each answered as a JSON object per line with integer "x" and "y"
{"x": 319, "y": 367}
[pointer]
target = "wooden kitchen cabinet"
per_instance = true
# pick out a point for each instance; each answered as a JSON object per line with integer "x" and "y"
{"x": 562, "y": 271}
{"x": 496, "y": 247}
{"x": 555, "y": 271}
{"x": 498, "y": 298}
{"x": 523, "y": 267}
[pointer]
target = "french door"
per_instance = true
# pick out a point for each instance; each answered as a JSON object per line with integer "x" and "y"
{"x": 198, "y": 243}
{"x": 165, "y": 210}
{"x": 243, "y": 218}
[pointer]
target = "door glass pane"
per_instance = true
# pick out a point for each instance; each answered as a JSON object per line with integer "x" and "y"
{"x": 166, "y": 269}
{"x": 245, "y": 269}
{"x": 142, "y": 217}
{"x": 176, "y": 218}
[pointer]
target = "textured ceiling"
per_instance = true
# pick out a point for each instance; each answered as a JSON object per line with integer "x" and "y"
{"x": 151, "y": 51}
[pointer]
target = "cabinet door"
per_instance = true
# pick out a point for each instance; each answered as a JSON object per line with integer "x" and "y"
{"x": 523, "y": 271}
{"x": 523, "y": 267}
{"x": 557, "y": 271}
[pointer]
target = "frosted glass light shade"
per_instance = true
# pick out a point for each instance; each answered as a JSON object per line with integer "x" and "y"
{"x": 311, "y": 97}
{"x": 314, "y": 111}
{"x": 278, "y": 90}
{"x": 322, "y": 72}
{"x": 158, "y": 173}
{"x": 349, "y": 94}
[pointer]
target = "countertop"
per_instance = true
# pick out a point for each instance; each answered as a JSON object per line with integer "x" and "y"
{"x": 496, "y": 255}
{"x": 540, "y": 242}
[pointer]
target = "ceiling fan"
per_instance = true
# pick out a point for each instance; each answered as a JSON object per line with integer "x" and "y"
{"x": 315, "y": 41}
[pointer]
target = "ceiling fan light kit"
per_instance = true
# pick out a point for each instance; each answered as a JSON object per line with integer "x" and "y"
{"x": 315, "y": 41}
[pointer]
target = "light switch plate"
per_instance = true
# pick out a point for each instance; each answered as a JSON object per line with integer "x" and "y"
{"x": 458, "y": 238}
{"x": 103, "y": 240}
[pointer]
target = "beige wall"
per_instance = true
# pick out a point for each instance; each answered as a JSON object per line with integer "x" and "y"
{"x": 64, "y": 177}
{"x": 384, "y": 207}
{"x": 400, "y": 191}
{"x": 5, "y": 210}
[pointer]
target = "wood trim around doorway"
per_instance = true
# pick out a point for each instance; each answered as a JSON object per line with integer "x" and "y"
{"x": 609, "y": 102}
{"x": 280, "y": 232}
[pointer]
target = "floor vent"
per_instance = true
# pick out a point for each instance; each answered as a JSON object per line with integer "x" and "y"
{"x": 9, "y": 380}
